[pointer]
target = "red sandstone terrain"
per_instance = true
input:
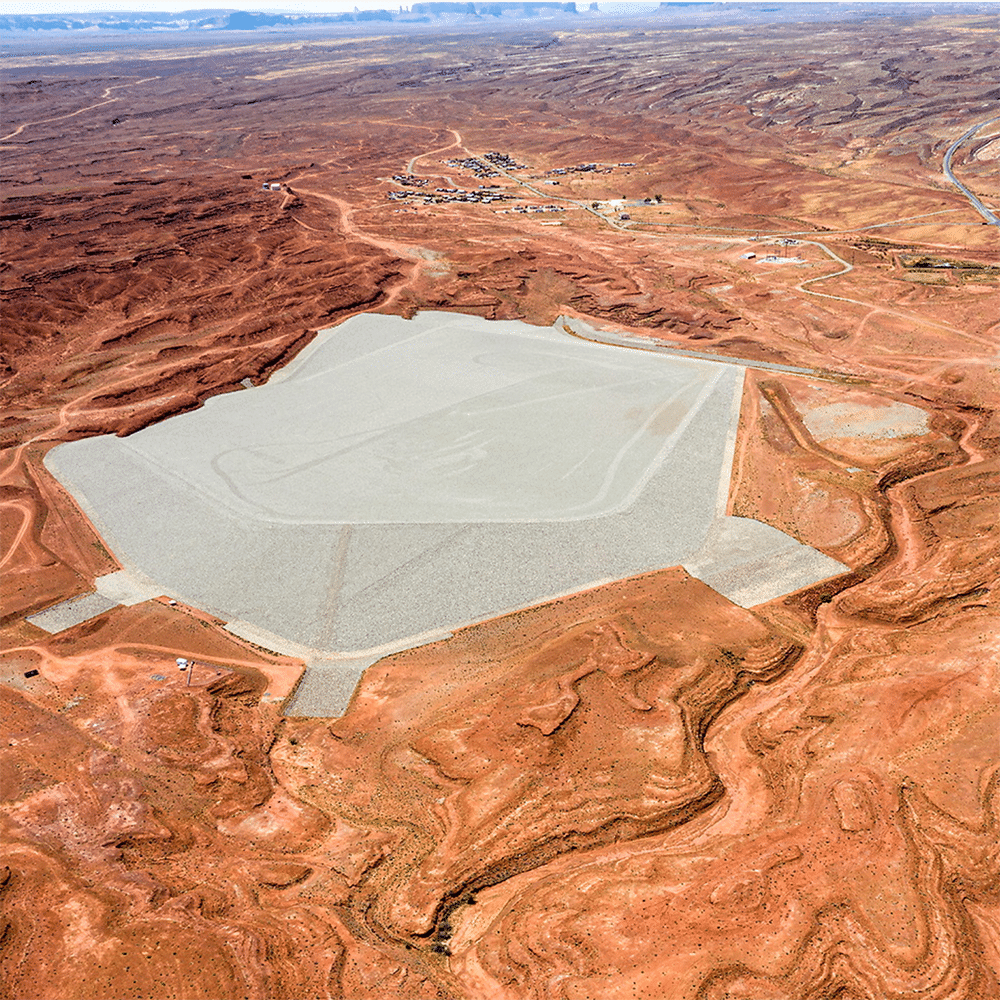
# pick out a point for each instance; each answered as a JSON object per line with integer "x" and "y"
{"x": 638, "y": 791}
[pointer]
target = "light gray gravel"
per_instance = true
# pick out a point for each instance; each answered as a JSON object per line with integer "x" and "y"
{"x": 72, "y": 612}
{"x": 402, "y": 477}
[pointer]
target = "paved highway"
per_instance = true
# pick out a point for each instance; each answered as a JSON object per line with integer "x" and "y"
{"x": 986, "y": 213}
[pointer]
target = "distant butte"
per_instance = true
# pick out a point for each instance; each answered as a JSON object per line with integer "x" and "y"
{"x": 637, "y": 790}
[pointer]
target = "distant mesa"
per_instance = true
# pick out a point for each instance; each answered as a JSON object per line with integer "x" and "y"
{"x": 242, "y": 20}
{"x": 497, "y": 9}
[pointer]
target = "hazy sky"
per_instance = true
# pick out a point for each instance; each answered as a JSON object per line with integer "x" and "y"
{"x": 62, "y": 6}
{"x": 74, "y": 6}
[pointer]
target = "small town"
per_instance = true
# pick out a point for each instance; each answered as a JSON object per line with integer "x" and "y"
{"x": 488, "y": 167}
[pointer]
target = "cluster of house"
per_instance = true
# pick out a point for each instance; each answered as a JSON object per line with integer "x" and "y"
{"x": 408, "y": 180}
{"x": 485, "y": 195}
{"x": 477, "y": 166}
{"x": 580, "y": 168}
{"x": 586, "y": 168}
{"x": 505, "y": 161}
{"x": 532, "y": 209}
{"x": 271, "y": 186}
{"x": 493, "y": 159}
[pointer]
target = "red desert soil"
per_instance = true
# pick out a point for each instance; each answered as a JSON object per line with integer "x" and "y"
{"x": 639, "y": 791}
